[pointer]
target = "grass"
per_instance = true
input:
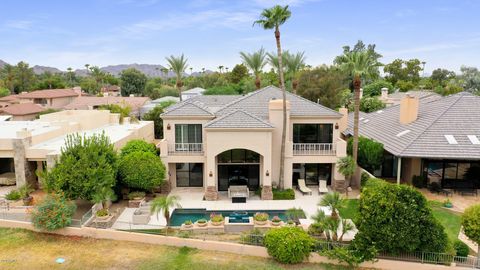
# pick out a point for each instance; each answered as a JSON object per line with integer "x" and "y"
{"x": 22, "y": 249}
{"x": 350, "y": 210}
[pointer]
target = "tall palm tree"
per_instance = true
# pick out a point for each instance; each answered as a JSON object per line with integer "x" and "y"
{"x": 272, "y": 60}
{"x": 334, "y": 201}
{"x": 255, "y": 62}
{"x": 272, "y": 18}
{"x": 163, "y": 204}
{"x": 220, "y": 68}
{"x": 359, "y": 65}
{"x": 295, "y": 63}
{"x": 87, "y": 67}
{"x": 178, "y": 65}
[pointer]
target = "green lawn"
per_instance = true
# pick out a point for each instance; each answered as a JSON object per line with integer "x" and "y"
{"x": 22, "y": 249}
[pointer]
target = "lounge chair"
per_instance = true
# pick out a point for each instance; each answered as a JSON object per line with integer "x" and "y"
{"x": 322, "y": 186}
{"x": 303, "y": 188}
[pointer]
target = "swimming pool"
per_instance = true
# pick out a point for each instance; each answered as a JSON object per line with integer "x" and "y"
{"x": 180, "y": 215}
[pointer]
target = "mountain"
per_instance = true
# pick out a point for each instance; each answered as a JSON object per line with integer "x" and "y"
{"x": 42, "y": 69}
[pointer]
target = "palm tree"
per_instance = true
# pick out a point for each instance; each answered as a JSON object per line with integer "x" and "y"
{"x": 220, "y": 68}
{"x": 334, "y": 202}
{"x": 191, "y": 70}
{"x": 163, "y": 204}
{"x": 255, "y": 62}
{"x": 70, "y": 75}
{"x": 272, "y": 18}
{"x": 359, "y": 65}
{"x": 226, "y": 69}
{"x": 295, "y": 63}
{"x": 178, "y": 65}
{"x": 275, "y": 64}
{"x": 87, "y": 66}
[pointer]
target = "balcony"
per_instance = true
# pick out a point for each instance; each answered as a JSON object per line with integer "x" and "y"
{"x": 313, "y": 149}
{"x": 182, "y": 149}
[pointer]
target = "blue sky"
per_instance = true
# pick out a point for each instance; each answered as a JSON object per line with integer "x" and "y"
{"x": 444, "y": 33}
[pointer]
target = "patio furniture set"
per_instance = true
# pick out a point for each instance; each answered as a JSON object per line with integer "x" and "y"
{"x": 322, "y": 187}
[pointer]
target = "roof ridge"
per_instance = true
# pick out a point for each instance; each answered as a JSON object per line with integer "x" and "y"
{"x": 236, "y": 111}
{"x": 433, "y": 122}
{"x": 243, "y": 97}
{"x": 186, "y": 102}
{"x": 317, "y": 104}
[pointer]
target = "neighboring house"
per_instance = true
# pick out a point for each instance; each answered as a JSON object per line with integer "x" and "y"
{"x": 22, "y": 111}
{"x": 111, "y": 90}
{"x": 30, "y": 146}
{"x": 148, "y": 107}
{"x": 92, "y": 103}
{"x": 51, "y": 98}
{"x": 439, "y": 139}
{"x": 197, "y": 91}
{"x": 395, "y": 98}
{"x": 217, "y": 141}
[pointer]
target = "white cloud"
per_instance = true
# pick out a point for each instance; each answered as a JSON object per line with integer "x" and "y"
{"x": 19, "y": 24}
{"x": 270, "y": 3}
{"x": 473, "y": 42}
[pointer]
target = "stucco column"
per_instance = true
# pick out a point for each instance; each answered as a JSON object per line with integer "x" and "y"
{"x": 211, "y": 192}
{"x": 338, "y": 182}
{"x": 266, "y": 176}
{"x": 24, "y": 170}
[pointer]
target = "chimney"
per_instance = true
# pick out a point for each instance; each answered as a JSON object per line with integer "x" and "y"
{"x": 384, "y": 95}
{"x": 408, "y": 109}
{"x": 343, "y": 122}
{"x": 132, "y": 95}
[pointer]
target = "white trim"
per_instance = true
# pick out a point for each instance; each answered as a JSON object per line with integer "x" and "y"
{"x": 403, "y": 133}
{"x": 473, "y": 139}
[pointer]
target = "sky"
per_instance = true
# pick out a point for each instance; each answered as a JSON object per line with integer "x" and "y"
{"x": 443, "y": 33}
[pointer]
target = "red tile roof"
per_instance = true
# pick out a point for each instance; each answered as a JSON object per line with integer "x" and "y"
{"x": 50, "y": 93}
{"x": 9, "y": 98}
{"x": 23, "y": 109}
{"x": 84, "y": 103}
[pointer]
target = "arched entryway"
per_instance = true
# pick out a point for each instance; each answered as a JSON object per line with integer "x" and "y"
{"x": 238, "y": 167}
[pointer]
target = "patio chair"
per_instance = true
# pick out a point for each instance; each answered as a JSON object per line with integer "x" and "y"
{"x": 303, "y": 188}
{"x": 322, "y": 186}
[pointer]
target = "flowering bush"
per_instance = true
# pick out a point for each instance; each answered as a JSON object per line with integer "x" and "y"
{"x": 276, "y": 219}
{"x": 260, "y": 216}
{"x": 216, "y": 217}
{"x": 54, "y": 212}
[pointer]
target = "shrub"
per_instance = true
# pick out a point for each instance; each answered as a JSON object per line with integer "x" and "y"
{"x": 13, "y": 195}
{"x": 371, "y": 104}
{"x": 286, "y": 194}
{"x": 295, "y": 214}
{"x": 405, "y": 86}
{"x": 4, "y": 92}
{"x": 52, "y": 213}
{"x": 364, "y": 178}
{"x": 138, "y": 146}
{"x": 461, "y": 249}
{"x": 394, "y": 218}
{"x": 25, "y": 190}
{"x": 316, "y": 229}
{"x": 288, "y": 244}
{"x": 102, "y": 213}
{"x": 216, "y": 217}
{"x": 260, "y": 216}
{"x": 375, "y": 88}
{"x": 471, "y": 223}
{"x": 141, "y": 170}
{"x": 419, "y": 181}
{"x": 136, "y": 194}
{"x": 370, "y": 153}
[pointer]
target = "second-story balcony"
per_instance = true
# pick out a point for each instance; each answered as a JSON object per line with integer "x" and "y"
{"x": 313, "y": 149}
{"x": 185, "y": 149}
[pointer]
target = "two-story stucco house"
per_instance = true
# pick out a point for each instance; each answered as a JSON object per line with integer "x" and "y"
{"x": 217, "y": 141}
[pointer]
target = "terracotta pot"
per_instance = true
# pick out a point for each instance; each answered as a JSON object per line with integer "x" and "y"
{"x": 218, "y": 223}
{"x": 261, "y": 223}
{"x": 188, "y": 226}
{"x": 276, "y": 223}
{"x": 201, "y": 224}
{"x": 103, "y": 217}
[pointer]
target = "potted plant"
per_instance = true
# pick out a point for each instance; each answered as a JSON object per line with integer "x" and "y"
{"x": 260, "y": 218}
{"x": 102, "y": 214}
{"x": 188, "y": 224}
{"x": 276, "y": 221}
{"x": 291, "y": 223}
{"x": 24, "y": 193}
{"x": 201, "y": 222}
{"x": 447, "y": 203}
{"x": 135, "y": 198}
{"x": 13, "y": 195}
{"x": 216, "y": 219}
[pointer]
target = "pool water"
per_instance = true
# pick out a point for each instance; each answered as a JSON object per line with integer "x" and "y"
{"x": 180, "y": 215}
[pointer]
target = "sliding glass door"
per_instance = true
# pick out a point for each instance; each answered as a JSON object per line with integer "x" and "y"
{"x": 188, "y": 137}
{"x": 189, "y": 174}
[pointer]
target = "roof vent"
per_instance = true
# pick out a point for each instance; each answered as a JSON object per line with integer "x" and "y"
{"x": 366, "y": 121}
{"x": 403, "y": 133}
{"x": 473, "y": 139}
{"x": 451, "y": 139}
{"x": 380, "y": 111}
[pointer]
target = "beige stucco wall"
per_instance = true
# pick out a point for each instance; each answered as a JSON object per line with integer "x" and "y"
{"x": 410, "y": 168}
{"x": 27, "y": 117}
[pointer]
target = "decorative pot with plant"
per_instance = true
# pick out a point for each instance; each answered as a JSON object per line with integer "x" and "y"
{"x": 24, "y": 192}
{"x": 201, "y": 222}
{"x": 260, "y": 218}
{"x": 216, "y": 219}
{"x": 291, "y": 223}
{"x": 13, "y": 195}
{"x": 447, "y": 203}
{"x": 136, "y": 195}
{"x": 276, "y": 221}
{"x": 188, "y": 224}
{"x": 102, "y": 214}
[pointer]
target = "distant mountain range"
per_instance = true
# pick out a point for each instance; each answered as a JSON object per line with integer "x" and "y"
{"x": 147, "y": 69}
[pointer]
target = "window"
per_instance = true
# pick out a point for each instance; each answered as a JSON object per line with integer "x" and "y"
{"x": 189, "y": 174}
{"x": 41, "y": 101}
{"x": 238, "y": 156}
{"x": 312, "y": 133}
{"x": 188, "y": 133}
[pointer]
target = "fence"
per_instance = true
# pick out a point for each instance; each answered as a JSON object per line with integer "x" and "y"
{"x": 17, "y": 213}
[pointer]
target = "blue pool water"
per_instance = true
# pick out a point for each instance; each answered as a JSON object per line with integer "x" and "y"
{"x": 180, "y": 215}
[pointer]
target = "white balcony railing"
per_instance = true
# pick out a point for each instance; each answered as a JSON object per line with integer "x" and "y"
{"x": 313, "y": 149}
{"x": 185, "y": 149}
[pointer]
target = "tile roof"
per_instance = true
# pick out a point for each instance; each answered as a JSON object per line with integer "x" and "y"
{"x": 187, "y": 108}
{"x": 85, "y": 102}
{"x": 236, "y": 119}
{"x": 50, "y": 93}
{"x": 457, "y": 115}
{"x": 22, "y": 109}
{"x": 9, "y": 98}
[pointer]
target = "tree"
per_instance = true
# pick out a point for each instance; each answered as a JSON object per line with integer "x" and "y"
{"x": 346, "y": 166}
{"x": 141, "y": 170}
{"x": 360, "y": 47}
{"x": 7, "y": 74}
{"x": 86, "y": 165}
{"x": 178, "y": 65}
{"x": 163, "y": 204}
{"x": 370, "y": 104}
{"x": 370, "y": 153}
{"x": 238, "y": 73}
{"x": 132, "y": 81}
{"x": 441, "y": 76}
{"x": 395, "y": 218}
{"x": 375, "y": 88}
{"x": 323, "y": 84}
{"x": 24, "y": 77}
{"x": 334, "y": 201}
{"x": 4, "y": 92}
{"x": 154, "y": 115}
{"x": 272, "y": 19}
{"x": 53, "y": 212}
{"x": 295, "y": 63}
{"x": 403, "y": 70}
{"x": 48, "y": 80}
{"x": 360, "y": 65}
{"x": 255, "y": 62}
{"x": 471, "y": 78}
{"x": 471, "y": 225}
